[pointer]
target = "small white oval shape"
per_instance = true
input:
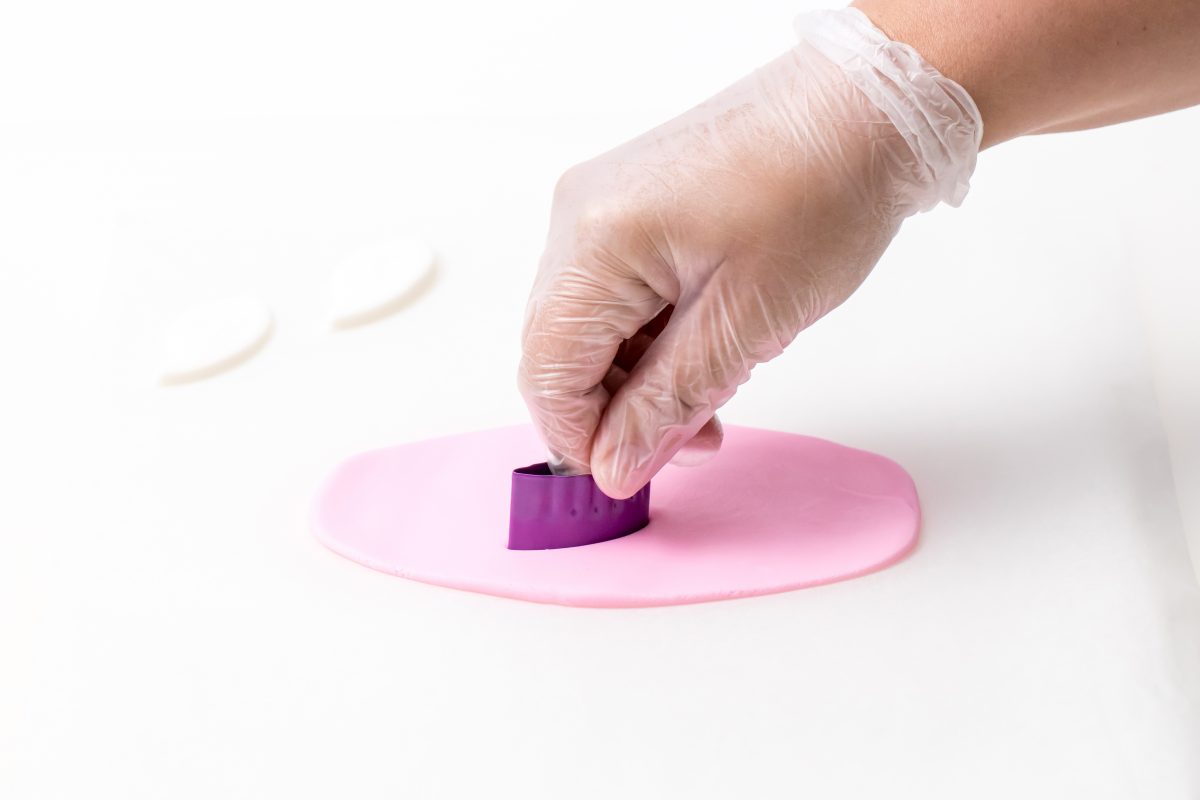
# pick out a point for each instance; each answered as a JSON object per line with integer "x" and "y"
{"x": 213, "y": 337}
{"x": 379, "y": 280}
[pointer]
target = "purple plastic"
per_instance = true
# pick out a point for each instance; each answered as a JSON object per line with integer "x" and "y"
{"x": 551, "y": 511}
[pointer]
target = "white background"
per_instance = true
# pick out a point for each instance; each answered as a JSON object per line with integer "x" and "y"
{"x": 170, "y": 628}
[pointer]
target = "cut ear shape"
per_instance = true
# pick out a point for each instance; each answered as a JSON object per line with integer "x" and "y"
{"x": 379, "y": 280}
{"x": 213, "y": 337}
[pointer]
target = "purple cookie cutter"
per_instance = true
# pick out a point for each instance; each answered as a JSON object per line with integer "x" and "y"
{"x": 550, "y": 511}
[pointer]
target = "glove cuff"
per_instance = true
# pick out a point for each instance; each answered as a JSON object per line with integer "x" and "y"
{"x": 937, "y": 118}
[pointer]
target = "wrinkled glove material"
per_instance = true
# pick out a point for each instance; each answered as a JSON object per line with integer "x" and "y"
{"x": 678, "y": 261}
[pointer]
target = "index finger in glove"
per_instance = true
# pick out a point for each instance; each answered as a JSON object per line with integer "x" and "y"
{"x": 579, "y": 313}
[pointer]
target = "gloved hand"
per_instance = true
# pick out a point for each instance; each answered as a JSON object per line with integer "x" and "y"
{"x": 680, "y": 260}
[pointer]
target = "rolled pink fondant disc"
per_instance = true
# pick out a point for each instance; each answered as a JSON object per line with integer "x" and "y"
{"x": 772, "y": 512}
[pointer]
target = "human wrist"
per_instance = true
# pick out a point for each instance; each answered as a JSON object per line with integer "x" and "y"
{"x": 936, "y": 117}
{"x": 961, "y": 48}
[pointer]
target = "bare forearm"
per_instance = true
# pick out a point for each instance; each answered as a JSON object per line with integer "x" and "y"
{"x": 1035, "y": 66}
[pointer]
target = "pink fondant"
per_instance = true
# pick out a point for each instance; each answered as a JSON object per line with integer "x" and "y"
{"x": 772, "y": 512}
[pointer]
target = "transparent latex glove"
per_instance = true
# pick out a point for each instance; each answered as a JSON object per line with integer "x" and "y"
{"x": 680, "y": 260}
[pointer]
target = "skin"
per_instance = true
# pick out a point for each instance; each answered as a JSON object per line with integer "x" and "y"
{"x": 1040, "y": 66}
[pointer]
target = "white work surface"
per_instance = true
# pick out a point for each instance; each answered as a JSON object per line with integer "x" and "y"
{"x": 170, "y": 628}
